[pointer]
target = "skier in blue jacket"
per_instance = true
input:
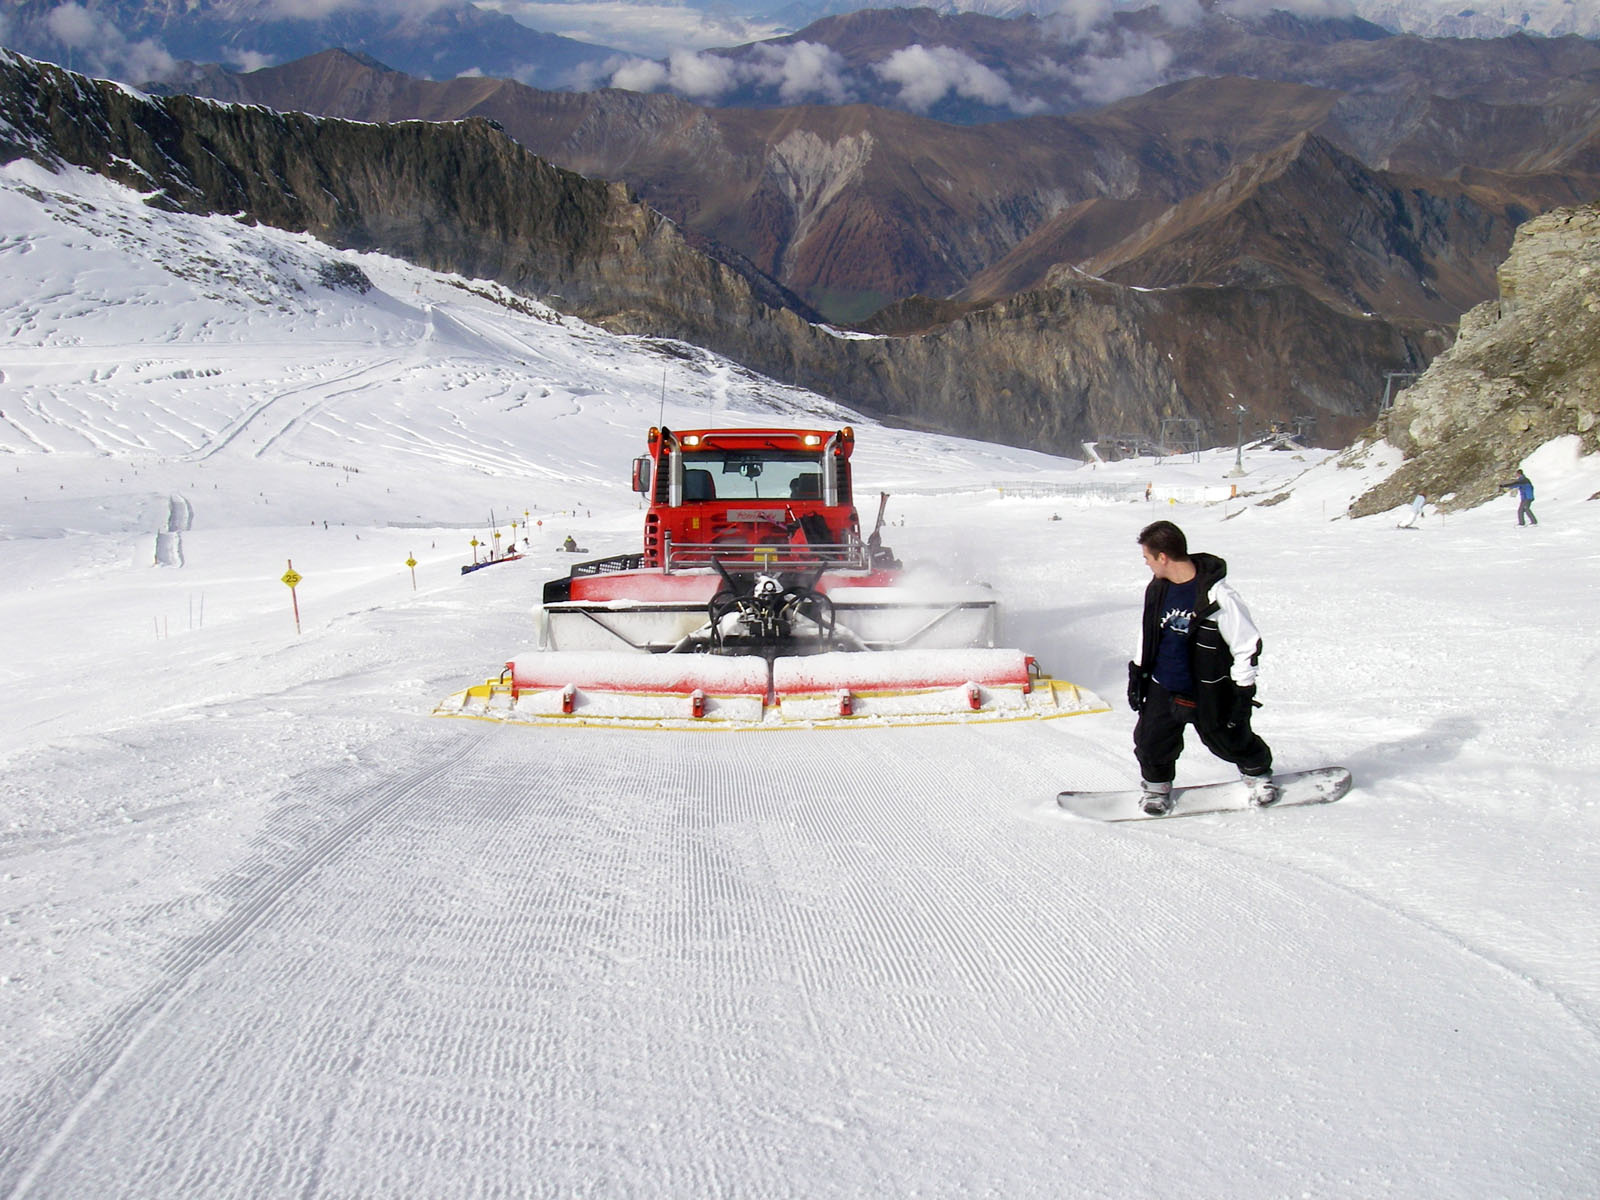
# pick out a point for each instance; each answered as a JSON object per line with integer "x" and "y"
{"x": 1524, "y": 487}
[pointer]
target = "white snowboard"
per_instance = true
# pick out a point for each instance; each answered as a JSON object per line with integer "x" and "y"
{"x": 1320, "y": 786}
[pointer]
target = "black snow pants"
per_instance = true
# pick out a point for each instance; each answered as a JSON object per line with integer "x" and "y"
{"x": 1158, "y": 737}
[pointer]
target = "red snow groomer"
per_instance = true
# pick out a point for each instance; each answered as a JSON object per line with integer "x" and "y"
{"x": 757, "y": 601}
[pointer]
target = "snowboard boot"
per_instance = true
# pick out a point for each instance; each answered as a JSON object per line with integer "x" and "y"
{"x": 1155, "y": 798}
{"x": 1262, "y": 790}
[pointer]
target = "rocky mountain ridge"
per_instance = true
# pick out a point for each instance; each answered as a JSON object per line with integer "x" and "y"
{"x": 854, "y": 207}
{"x": 1429, "y": 18}
{"x": 969, "y": 67}
{"x": 1047, "y": 369}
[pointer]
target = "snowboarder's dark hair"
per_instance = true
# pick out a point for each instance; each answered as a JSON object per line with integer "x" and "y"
{"x": 1163, "y": 537}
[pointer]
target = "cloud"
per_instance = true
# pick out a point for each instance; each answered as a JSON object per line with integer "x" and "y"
{"x": 799, "y": 72}
{"x": 642, "y": 28}
{"x": 802, "y": 71}
{"x": 1183, "y": 12}
{"x": 702, "y": 77}
{"x": 76, "y": 27}
{"x": 97, "y": 46}
{"x": 1073, "y": 19}
{"x": 250, "y": 60}
{"x": 640, "y": 75}
{"x": 926, "y": 75}
{"x": 1140, "y": 66}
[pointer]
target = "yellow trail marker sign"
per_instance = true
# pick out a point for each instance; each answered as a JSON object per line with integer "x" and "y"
{"x": 292, "y": 577}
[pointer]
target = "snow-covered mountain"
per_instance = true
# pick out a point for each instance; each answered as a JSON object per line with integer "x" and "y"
{"x": 1429, "y": 18}
{"x": 644, "y": 27}
{"x": 1480, "y": 18}
{"x": 268, "y": 927}
{"x": 564, "y": 44}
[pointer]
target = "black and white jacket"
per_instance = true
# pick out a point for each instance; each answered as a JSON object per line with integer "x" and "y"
{"x": 1224, "y": 644}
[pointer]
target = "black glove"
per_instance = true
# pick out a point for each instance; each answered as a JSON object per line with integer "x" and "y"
{"x": 1136, "y": 686}
{"x": 1244, "y": 699}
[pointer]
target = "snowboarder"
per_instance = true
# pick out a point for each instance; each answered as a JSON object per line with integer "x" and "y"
{"x": 570, "y": 546}
{"x": 1524, "y": 488}
{"x": 1196, "y": 664}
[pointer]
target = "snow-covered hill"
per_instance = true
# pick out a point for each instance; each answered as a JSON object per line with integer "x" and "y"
{"x": 266, "y": 926}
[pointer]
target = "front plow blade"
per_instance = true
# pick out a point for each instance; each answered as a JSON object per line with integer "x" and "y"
{"x": 605, "y": 686}
{"x": 708, "y": 691}
{"x": 908, "y": 686}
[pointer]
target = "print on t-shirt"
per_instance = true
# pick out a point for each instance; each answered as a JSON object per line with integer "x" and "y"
{"x": 1172, "y": 650}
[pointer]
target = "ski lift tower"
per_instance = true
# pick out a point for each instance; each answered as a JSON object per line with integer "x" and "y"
{"x": 1238, "y": 453}
{"x": 1180, "y": 435}
{"x": 1129, "y": 445}
{"x": 1389, "y": 389}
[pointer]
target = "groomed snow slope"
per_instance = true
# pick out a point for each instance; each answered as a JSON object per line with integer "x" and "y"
{"x": 270, "y": 929}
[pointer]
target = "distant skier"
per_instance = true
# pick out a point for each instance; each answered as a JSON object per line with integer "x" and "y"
{"x": 1524, "y": 488}
{"x": 1417, "y": 503}
{"x": 1196, "y": 664}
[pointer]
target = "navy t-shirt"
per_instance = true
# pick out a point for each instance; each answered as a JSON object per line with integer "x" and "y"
{"x": 1172, "y": 645}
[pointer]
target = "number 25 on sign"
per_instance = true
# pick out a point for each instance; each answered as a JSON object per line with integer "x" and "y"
{"x": 291, "y": 577}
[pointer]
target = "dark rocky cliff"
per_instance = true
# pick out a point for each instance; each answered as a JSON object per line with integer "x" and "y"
{"x": 457, "y": 196}
{"x": 1047, "y": 369}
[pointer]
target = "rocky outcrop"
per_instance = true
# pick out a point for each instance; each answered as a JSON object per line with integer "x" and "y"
{"x": 1525, "y": 369}
{"x": 1133, "y": 358}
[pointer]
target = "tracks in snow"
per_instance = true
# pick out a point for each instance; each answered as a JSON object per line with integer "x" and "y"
{"x": 551, "y": 962}
{"x": 30, "y": 1140}
{"x": 279, "y": 414}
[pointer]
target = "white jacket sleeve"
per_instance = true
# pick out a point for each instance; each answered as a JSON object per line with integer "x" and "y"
{"x": 1238, "y": 630}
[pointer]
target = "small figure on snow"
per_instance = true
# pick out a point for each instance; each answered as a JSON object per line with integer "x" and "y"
{"x": 1196, "y": 664}
{"x": 569, "y": 545}
{"x": 1524, "y": 488}
{"x": 1417, "y": 503}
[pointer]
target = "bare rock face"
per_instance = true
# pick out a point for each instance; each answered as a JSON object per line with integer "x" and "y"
{"x": 1525, "y": 369}
{"x": 458, "y": 197}
{"x": 1134, "y": 357}
{"x": 1070, "y": 360}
